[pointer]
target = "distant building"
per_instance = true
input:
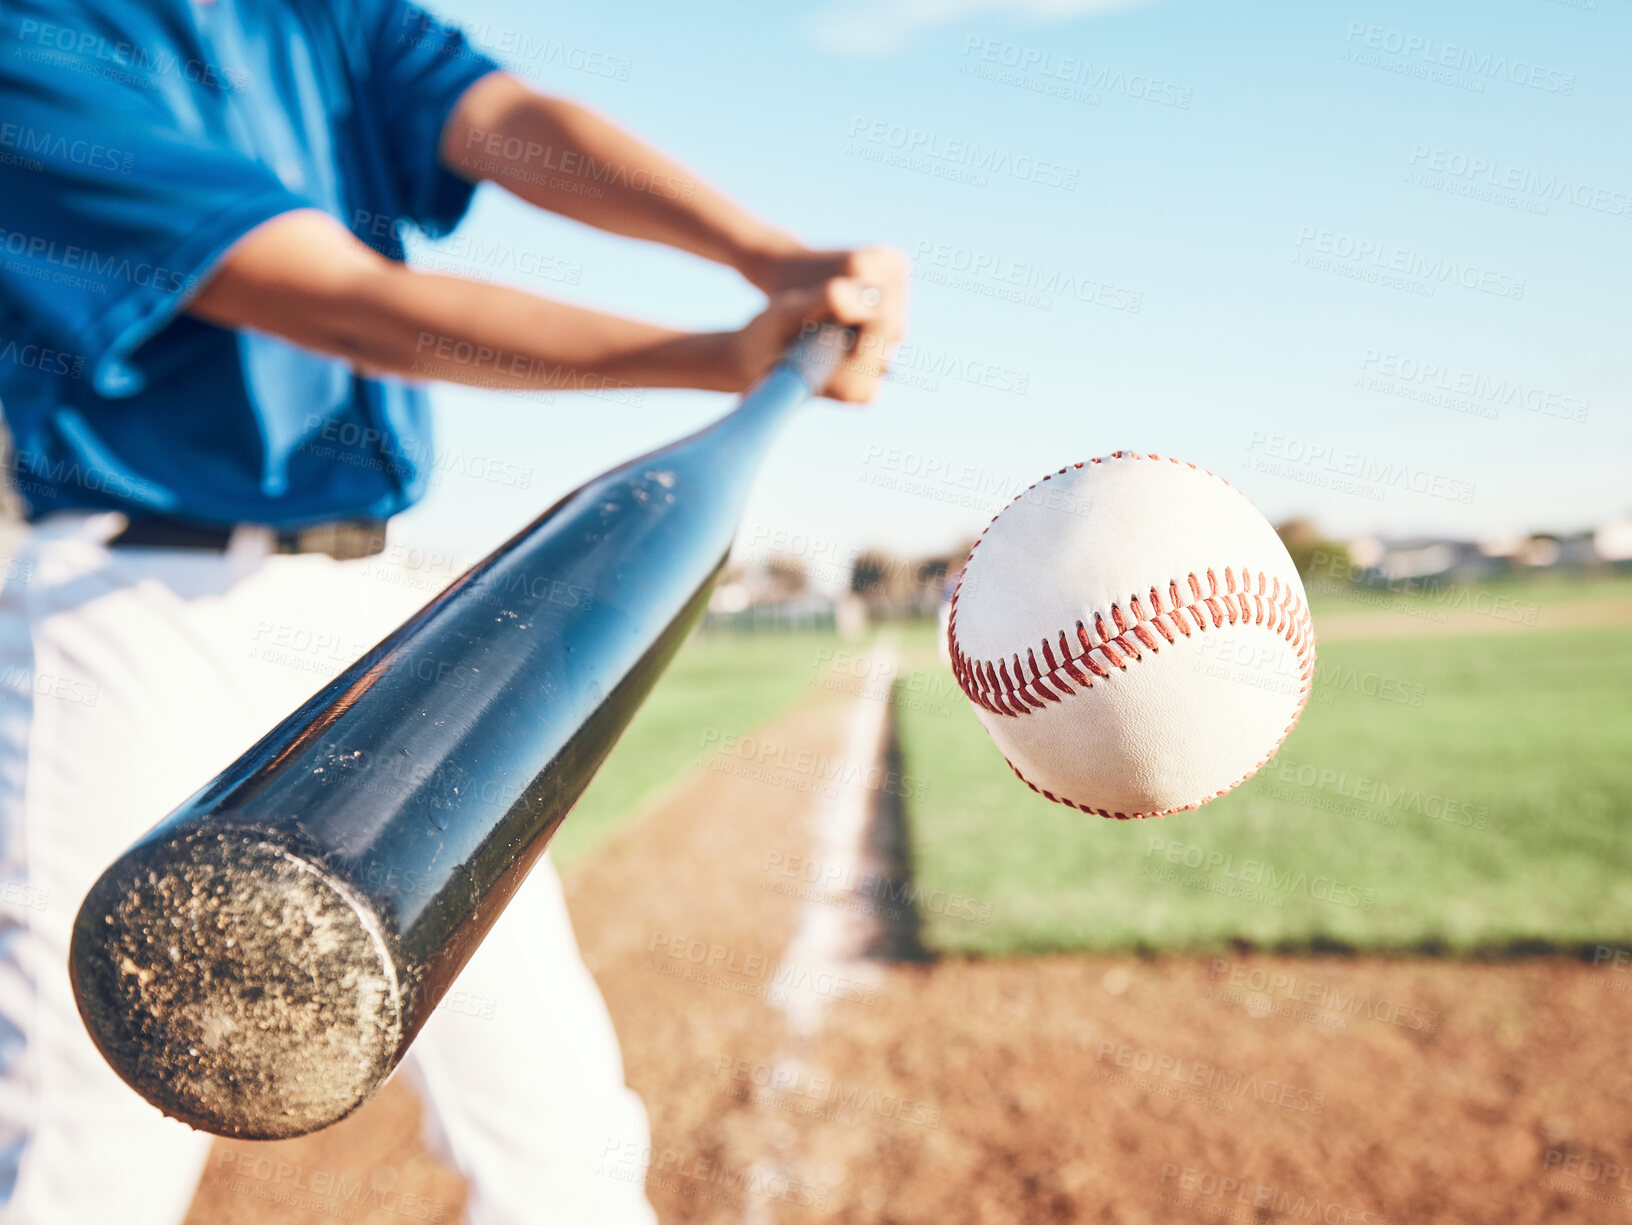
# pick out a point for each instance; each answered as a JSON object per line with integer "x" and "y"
{"x": 768, "y": 596}
{"x": 1613, "y": 541}
{"x": 1414, "y": 559}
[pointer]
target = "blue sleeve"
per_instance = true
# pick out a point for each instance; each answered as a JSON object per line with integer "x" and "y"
{"x": 110, "y": 219}
{"x": 419, "y": 68}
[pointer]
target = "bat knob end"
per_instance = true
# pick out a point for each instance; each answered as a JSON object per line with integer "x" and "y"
{"x": 235, "y": 985}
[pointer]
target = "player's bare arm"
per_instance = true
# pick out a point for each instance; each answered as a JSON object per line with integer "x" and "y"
{"x": 305, "y": 278}
{"x": 566, "y": 158}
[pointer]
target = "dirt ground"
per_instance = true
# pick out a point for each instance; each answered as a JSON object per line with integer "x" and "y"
{"x": 371, "y": 1167}
{"x": 1237, "y": 1088}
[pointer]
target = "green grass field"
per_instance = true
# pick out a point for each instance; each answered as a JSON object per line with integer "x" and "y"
{"x": 717, "y": 686}
{"x": 1478, "y": 797}
{"x": 1482, "y": 800}
{"x": 1510, "y": 597}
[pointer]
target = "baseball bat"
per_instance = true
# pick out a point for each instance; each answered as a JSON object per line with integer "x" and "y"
{"x": 258, "y": 963}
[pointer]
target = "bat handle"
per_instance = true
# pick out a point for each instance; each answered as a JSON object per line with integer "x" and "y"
{"x": 801, "y": 373}
{"x": 817, "y": 353}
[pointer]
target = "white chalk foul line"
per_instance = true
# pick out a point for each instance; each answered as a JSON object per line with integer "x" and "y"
{"x": 829, "y": 944}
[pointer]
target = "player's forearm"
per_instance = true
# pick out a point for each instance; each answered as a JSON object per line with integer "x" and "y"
{"x": 422, "y": 326}
{"x": 565, "y": 158}
{"x": 304, "y": 277}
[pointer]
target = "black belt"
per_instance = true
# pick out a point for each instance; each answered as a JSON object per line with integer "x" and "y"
{"x": 343, "y": 539}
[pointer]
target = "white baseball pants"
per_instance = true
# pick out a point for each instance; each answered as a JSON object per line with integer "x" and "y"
{"x": 129, "y": 677}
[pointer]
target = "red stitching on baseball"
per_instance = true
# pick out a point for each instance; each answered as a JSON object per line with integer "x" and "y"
{"x": 991, "y": 688}
{"x": 998, "y": 691}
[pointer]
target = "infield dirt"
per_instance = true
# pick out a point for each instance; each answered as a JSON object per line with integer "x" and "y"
{"x": 1236, "y": 1087}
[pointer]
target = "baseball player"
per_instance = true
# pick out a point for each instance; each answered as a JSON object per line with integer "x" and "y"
{"x": 211, "y": 352}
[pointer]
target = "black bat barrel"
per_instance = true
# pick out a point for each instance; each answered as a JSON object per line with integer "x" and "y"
{"x": 259, "y": 962}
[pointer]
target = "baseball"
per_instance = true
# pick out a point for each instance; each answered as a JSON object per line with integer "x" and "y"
{"x": 1133, "y": 635}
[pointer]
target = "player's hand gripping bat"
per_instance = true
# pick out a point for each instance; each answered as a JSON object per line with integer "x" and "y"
{"x": 260, "y": 961}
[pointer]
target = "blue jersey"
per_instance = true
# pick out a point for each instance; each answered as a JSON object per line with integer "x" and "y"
{"x": 139, "y": 139}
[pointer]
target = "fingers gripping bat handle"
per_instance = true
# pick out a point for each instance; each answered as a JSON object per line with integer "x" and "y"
{"x": 259, "y": 962}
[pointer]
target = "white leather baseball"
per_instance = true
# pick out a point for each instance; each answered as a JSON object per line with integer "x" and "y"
{"x": 1133, "y": 636}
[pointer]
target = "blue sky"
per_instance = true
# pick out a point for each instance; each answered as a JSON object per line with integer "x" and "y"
{"x": 1369, "y": 261}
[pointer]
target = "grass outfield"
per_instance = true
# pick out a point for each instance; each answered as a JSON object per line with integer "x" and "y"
{"x": 1479, "y": 799}
{"x": 1521, "y": 598}
{"x": 718, "y": 685}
